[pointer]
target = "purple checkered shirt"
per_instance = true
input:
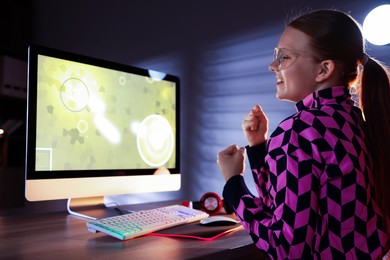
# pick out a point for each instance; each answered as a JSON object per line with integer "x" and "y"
{"x": 314, "y": 182}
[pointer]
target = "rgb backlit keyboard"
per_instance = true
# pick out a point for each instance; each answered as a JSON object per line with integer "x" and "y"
{"x": 140, "y": 223}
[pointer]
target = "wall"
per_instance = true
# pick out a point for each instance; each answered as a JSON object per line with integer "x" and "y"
{"x": 15, "y": 27}
{"x": 220, "y": 49}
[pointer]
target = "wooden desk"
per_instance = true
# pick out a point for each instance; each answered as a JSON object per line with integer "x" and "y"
{"x": 59, "y": 235}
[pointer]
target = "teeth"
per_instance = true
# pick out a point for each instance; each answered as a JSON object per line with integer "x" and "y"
{"x": 279, "y": 80}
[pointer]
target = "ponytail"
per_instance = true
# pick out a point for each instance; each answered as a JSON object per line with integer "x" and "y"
{"x": 375, "y": 104}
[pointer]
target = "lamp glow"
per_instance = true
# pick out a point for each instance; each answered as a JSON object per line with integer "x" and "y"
{"x": 156, "y": 75}
{"x": 376, "y": 25}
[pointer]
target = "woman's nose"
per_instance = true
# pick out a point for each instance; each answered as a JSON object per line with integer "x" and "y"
{"x": 273, "y": 66}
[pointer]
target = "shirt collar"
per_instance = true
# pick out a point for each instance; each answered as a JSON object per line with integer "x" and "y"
{"x": 332, "y": 95}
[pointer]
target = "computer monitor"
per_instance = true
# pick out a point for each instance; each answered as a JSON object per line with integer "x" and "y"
{"x": 97, "y": 128}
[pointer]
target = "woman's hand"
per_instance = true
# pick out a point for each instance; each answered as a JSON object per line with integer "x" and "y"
{"x": 255, "y": 126}
{"x": 231, "y": 161}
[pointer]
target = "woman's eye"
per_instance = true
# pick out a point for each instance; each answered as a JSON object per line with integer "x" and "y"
{"x": 285, "y": 57}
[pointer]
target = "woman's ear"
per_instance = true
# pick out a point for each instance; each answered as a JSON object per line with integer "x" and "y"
{"x": 326, "y": 70}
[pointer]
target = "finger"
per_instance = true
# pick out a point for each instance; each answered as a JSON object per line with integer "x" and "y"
{"x": 228, "y": 150}
{"x": 232, "y": 149}
{"x": 255, "y": 109}
{"x": 259, "y": 113}
{"x": 251, "y": 123}
{"x": 242, "y": 150}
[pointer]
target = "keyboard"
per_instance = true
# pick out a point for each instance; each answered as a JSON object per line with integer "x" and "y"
{"x": 140, "y": 223}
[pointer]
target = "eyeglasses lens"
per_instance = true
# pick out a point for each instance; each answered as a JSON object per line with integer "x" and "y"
{"x": 277, "y": 57}
{"x": 284, "y": 58}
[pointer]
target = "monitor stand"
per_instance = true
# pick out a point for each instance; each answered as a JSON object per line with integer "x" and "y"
{"x": 91, "y": 208}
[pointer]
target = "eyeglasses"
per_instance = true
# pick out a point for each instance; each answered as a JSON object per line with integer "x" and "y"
{"x": 285, "y": 58}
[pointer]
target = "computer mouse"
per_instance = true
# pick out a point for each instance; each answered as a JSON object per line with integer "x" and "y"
{"x": 218, "y": 221}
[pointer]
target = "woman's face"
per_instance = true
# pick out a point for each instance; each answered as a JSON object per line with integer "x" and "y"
{"x": 294, "y": 66}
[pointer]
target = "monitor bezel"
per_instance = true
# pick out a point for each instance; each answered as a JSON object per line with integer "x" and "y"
{"x": 31, "y": 174}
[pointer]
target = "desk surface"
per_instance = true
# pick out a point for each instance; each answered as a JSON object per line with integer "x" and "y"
{"x": 58, "y": 235}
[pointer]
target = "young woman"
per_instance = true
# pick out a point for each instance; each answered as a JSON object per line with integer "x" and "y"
{"x": 322, "y": 176}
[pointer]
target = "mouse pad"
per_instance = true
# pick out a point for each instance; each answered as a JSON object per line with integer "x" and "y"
{"x": 197, "y": 231}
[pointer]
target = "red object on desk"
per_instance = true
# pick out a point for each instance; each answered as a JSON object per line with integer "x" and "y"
{"x": 210, "y": 202}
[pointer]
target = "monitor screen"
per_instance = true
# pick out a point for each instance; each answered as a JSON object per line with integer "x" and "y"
{"x": 98, "y": 128}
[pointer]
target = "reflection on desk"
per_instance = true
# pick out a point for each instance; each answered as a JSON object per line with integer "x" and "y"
{"x": 59, "y": 235}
